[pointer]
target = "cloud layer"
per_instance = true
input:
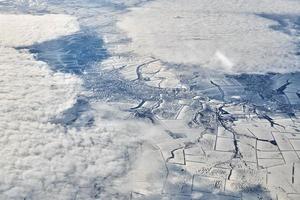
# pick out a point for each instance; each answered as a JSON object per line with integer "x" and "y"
{"x": 25, "y": 30}
{"x": 228, "y": 36}
{"x": 42, "y": 160}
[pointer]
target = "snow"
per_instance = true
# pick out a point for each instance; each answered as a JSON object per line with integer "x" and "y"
{"x": 186, "y": 154}
{"x": 231, "y": 36}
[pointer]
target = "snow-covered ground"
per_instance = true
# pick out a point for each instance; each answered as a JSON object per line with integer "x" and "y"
{"x": 166, "y": 99}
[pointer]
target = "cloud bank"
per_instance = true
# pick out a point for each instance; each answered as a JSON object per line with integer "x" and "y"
{"x": 229, "y": 36}
{"x": 43, "y": 160}
{"x": 25, "y": 30}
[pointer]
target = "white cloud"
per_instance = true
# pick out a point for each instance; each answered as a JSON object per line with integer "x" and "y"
{"x": 25, "y": 30}
{"x": 193, "y": 32}
{"x": 41, "y": 160}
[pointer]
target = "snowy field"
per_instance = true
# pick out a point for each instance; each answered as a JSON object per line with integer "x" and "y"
{"x": 148, "y": 100}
